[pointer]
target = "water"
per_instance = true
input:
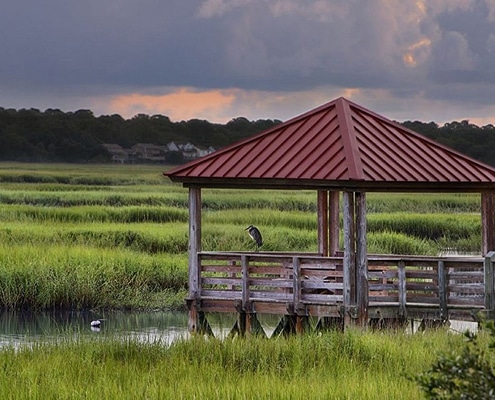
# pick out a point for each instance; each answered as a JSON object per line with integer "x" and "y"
{"x": 24, "y": 328}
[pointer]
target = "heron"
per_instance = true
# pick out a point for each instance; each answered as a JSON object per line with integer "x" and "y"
{"x": 255, "y": 235}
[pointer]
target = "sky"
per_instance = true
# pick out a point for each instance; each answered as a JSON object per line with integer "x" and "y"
{"x": 424, "y": 60}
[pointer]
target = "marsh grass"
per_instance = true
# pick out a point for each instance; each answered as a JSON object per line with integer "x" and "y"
{"x": 113, "y": 236}
{"x": 332, "y": 365}
{"x": 141, "y": 214}
{"x": 77, "y": 277}
{"x": 67, "y": 230}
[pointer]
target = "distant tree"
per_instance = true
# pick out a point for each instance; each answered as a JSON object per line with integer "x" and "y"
{"x": 174, "y": 158}
{"x": 54, "y": 135}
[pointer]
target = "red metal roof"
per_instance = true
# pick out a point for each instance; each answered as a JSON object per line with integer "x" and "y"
{"x": 338, "y": 145}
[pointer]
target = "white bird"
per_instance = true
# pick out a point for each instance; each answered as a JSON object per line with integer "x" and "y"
{"x": 96, "y": 323}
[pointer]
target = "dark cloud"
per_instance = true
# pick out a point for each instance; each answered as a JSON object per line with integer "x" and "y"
{"x": 75, "y": 49}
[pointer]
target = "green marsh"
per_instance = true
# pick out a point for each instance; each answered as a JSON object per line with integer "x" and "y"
{"x": 115, "y": 236}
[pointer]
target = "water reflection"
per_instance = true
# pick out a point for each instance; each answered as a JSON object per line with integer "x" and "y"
{"x": 25, "y": 328}
{"x": 17, "y": 328}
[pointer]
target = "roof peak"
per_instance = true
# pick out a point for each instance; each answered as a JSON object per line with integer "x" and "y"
{"x": 337, "y": 144}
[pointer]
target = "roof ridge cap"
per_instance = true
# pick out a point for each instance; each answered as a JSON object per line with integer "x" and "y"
{"x": 350, "y": 145}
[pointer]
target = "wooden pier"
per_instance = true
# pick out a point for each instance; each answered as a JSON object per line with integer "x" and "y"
{"x": 299, "y": 286}
{"x": 342, "y": 152}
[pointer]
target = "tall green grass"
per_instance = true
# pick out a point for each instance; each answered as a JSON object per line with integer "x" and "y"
{"x": 92, "y": 213}
{"x": 77, "y": 277}
{"x": 333, "y": 365}
{"x": 430, "y": 233}
{"x": 142, "y": 214}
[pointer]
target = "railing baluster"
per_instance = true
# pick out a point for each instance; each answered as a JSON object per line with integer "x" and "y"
{"x": 442, "y": 290}
{"x": 489, "y": 284}
{"x": 245, "y": 280}
{"x": 296, "y": 265}
{"x": 401, "y": 274}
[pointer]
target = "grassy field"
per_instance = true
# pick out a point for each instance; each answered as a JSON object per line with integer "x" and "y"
{"x": 333, "y": 365}
{"x": 115, "y": 236}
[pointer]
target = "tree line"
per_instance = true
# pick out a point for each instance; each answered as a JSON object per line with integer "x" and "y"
{"x": 474, "y": 141}
{"x": 56, "y": 136}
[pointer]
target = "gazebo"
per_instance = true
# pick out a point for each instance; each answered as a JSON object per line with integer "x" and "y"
{"x": 339, "y": 150}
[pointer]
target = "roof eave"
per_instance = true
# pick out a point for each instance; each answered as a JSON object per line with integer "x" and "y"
{"x": 351, "y": 185}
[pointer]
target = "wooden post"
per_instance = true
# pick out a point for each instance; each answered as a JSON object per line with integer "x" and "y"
{"x": 489, "y": 285}
{"x": 487, "y": 222}
{"x": 300, "y": 317}
{"x": 194, "y": 265}
{"x": 245, "y": 282}
{"x": 323, "y": 222}
{"x": 297, "y": 286}
{"x": 349, "y": 255}
{"x": 361, "y": 260}
{"x": 442, "y": 290}
{"x": 334, "y": 223}
{"x": 401, "y": 272}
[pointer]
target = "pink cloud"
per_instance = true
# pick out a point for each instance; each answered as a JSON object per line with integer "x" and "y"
{"x": 182, "y": 104}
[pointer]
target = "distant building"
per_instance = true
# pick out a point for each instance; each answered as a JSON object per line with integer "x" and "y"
{"x": 118, "y": 153}
{"x": 148, "y": 153}
{"x": 152, "y": 153}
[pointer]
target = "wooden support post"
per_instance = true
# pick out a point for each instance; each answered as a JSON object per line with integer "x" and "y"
{"x": 194, "y": 264}
{"x": 401, "y": 272}
{"x": 334, "y": 222}
{"x": 487, "y": 222}
{"x": 245, "y": 283}
{"x": 489, "y": 285}
{"x": 203, "y": 325}
{"x": 349, "y": 255}
{"x": 323, "y": 222}
{"x": 361, "y": 260}
{"x": 193, "y": 324}
{"x": 301, "y": 324}
{"x": 253, "y": 325}
{"x": 296, "y": 278}
{"x": 301, "y": 318}
{"x": 442, "y": 291}
{"x": 241, "y": 323}
{"x": 285, "y": 327}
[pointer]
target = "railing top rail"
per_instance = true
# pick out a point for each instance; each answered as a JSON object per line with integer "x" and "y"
{"x": 401, "y": 257}
{"x": 371, "y": 257}
{"x": 262, "y": 253}
{"x": 267, "y": 255}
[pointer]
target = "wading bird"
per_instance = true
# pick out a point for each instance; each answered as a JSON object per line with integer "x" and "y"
{"x": 255, "y": 235}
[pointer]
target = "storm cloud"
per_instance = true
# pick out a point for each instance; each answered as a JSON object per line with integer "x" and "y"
{"x": 218, "y": 59}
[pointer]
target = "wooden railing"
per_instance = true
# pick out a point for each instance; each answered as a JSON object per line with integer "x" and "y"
{"x": 277, "y": 278}
{"x": 301, "y": 280}
{"x": 443, "y": 283}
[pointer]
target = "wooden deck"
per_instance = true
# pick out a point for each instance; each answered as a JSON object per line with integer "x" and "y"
{"x": 307, "y": 285}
